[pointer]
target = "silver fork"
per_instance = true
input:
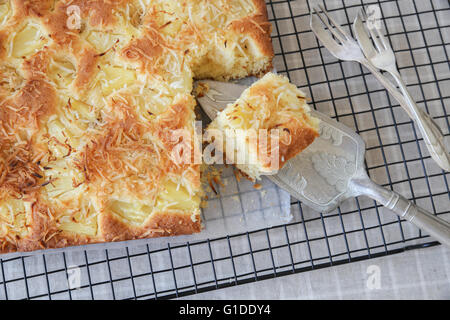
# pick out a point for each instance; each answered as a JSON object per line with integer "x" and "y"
{"x": 383, "y": 57}
{"x": 347, "y": 49}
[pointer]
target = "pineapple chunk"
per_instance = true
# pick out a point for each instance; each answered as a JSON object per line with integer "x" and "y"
{"x": 147, "y": 102}
{"x": 66, "y": 181}
{"x": 82, "y": 222}
{"x": 133, "y": 212}
{"x": 62, "y": 72}
{"x": 67, "y": 128}
{"x": 77, "y": 117}
{"x": 5, "y": 11}
{"x": 66, "y": 188}
{"x": 116, "y": 78}
{"x": 13, "y": 216}
{"x": 88, "y": 229}
{"x": 61, "y": 139}
{"x": 176, "y": 197}
{"x": 83, "y": 110}
{"x": 103, "y": 41}
{"x": 27, "y": 41}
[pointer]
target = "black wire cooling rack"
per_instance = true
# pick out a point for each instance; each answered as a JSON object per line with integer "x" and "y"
{"x": 359, "y": 229}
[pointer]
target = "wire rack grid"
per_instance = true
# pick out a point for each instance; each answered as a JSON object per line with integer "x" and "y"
{"x": 359, "y": 229}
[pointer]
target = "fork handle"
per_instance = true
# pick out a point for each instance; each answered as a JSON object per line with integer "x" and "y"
{"x": 389, "y": 86}
{"x": 432, "y": 136}
{"x": 433, "y": 140}
{"x": 405, "y": 209}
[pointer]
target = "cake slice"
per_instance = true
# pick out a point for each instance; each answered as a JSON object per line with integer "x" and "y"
{"x": 268, "y": 125}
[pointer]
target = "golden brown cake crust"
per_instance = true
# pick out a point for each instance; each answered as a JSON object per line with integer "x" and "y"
{"x": 3, "y": 37}
{"x": 299, "y": 134}
{"x": 301, "y": 137}
{"x": 54, "y": 177}
{"x": 258, "y": 27}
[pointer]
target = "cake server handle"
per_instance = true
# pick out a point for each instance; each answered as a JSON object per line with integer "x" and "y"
{"x": 405, "y": 209}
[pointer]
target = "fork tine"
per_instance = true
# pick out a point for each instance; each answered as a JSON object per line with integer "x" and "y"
{"x": 324, "y": 36}
{"x": 379, "y": 44}
{"x": 383, "y": 39}
{"x": 363, "y": 36}
{"x": 337, "y": 25}
{"x": 380, "y": 34}
{"x": 330, "y": 28}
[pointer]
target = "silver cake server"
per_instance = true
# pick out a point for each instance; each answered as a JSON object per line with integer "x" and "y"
{"x": 331, "y": 170}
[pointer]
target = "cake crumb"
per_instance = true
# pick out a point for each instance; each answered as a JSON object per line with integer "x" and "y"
{"x": 204, "y": 204}
{"x": 201, "y": 89}
{"x": 218, "y": 181}
{"x": 210, "y": 176}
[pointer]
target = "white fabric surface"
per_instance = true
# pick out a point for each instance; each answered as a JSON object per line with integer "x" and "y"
{"x": 419, "y": 274}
